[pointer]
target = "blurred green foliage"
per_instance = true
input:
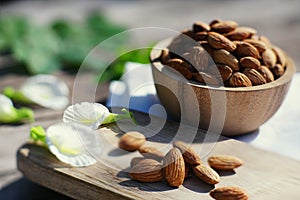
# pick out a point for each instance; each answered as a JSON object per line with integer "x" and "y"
{"x": 64, "y": 44}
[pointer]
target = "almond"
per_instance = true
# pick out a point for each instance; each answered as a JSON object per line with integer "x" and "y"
{"x": 136, "y": 160}
{"x": 206, "y": 174}
{"x": 240, "y": 33}
{"x": 151, "y": 152}
{"x": 228, "y": 193}
{"x": 146, "y": 170}
{"x": 188, "y": 33}
{"x": 218, "y": 41}
{"x": 224, "y": 162}
{"x": 254, "y": 37}
{"x": 131, "y": 141}
{"x": 198, "y": 57}
{"x": 165, "y": 56}
{"x": 220, "y": 70}
{"x": 200, "y": 36}
{"x": 255, "y": 77}
{"x": 181, "y": 44}
{"x": 277, "y": 70}
{"x": 249, "y": 62}
{"x": 239, "y": 79}
{"x": 214, "y": 22}
{"x": 259, "y": 45}
{"x": 269, "y": 58}
{"x": 174, "y": 63}
{"x": 224, "y": 26}
{"x": 200, "y": 26}
{"x": 205, "y": 78}
{"x": 224, "y": 57}
{"x": 266, "y": 73}
{"x": 180, "y": 66}
{"x": 207, "y": 47}
{"x": 280, "y": 55}
{"x": 244, "y": 49}
{"x": 190, "y": 156}
{"x": 174, "y": 167}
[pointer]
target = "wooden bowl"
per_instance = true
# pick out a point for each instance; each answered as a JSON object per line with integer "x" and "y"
{"x": 225, "y": 110}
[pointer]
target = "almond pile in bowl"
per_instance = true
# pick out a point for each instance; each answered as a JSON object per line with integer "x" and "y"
{"x": 224, "y": 53}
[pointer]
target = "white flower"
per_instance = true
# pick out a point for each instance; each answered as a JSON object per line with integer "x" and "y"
{"x": 47, "y": 91}
{"x": 88, "y": 114}
{"x": 93, "y": 115}
{"x": 73, "y": 143}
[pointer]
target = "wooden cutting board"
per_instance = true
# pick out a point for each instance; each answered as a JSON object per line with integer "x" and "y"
{"x": 264, "y": 175}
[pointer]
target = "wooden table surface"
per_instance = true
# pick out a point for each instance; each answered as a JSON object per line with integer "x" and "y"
{"x": 279, "y": 20}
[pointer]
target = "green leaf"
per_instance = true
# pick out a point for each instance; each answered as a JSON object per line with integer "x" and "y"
{"x": 102, "y": 26}
{"x": 64, "y": 43}
{"x": 37, "y": 133}
{"x": 113, "y": 117}
{"x": 116, "y": 69}
{"x": 11, "y": 29}
{"x": 38, "y": 49}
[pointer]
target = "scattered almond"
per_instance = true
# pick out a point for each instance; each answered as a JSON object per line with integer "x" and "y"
{"x": 146, "y": 170}
{"x": 206, "y": 174}
{"x": 224, "y": 162}
{"x": 190, "y": 156}
{"x": 228, "y": 193}
{"x": 174, "y": 167}
{"x": 136, "y": 160}
{"x": 131, "y": 141}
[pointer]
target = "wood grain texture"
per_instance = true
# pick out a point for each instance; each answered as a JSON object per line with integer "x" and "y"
{"x": 264, "y": 175}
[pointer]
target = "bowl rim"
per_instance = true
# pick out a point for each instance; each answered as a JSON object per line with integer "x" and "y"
{"x": 155, "y": 53}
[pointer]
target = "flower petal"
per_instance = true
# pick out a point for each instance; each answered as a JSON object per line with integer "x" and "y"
{"x": 7, "y": 111}
{"x": 47, "y": 91}
{"x": 72, "y": 143}
{"x": 88, "y": 114}
{"x": 5, "y": 101}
